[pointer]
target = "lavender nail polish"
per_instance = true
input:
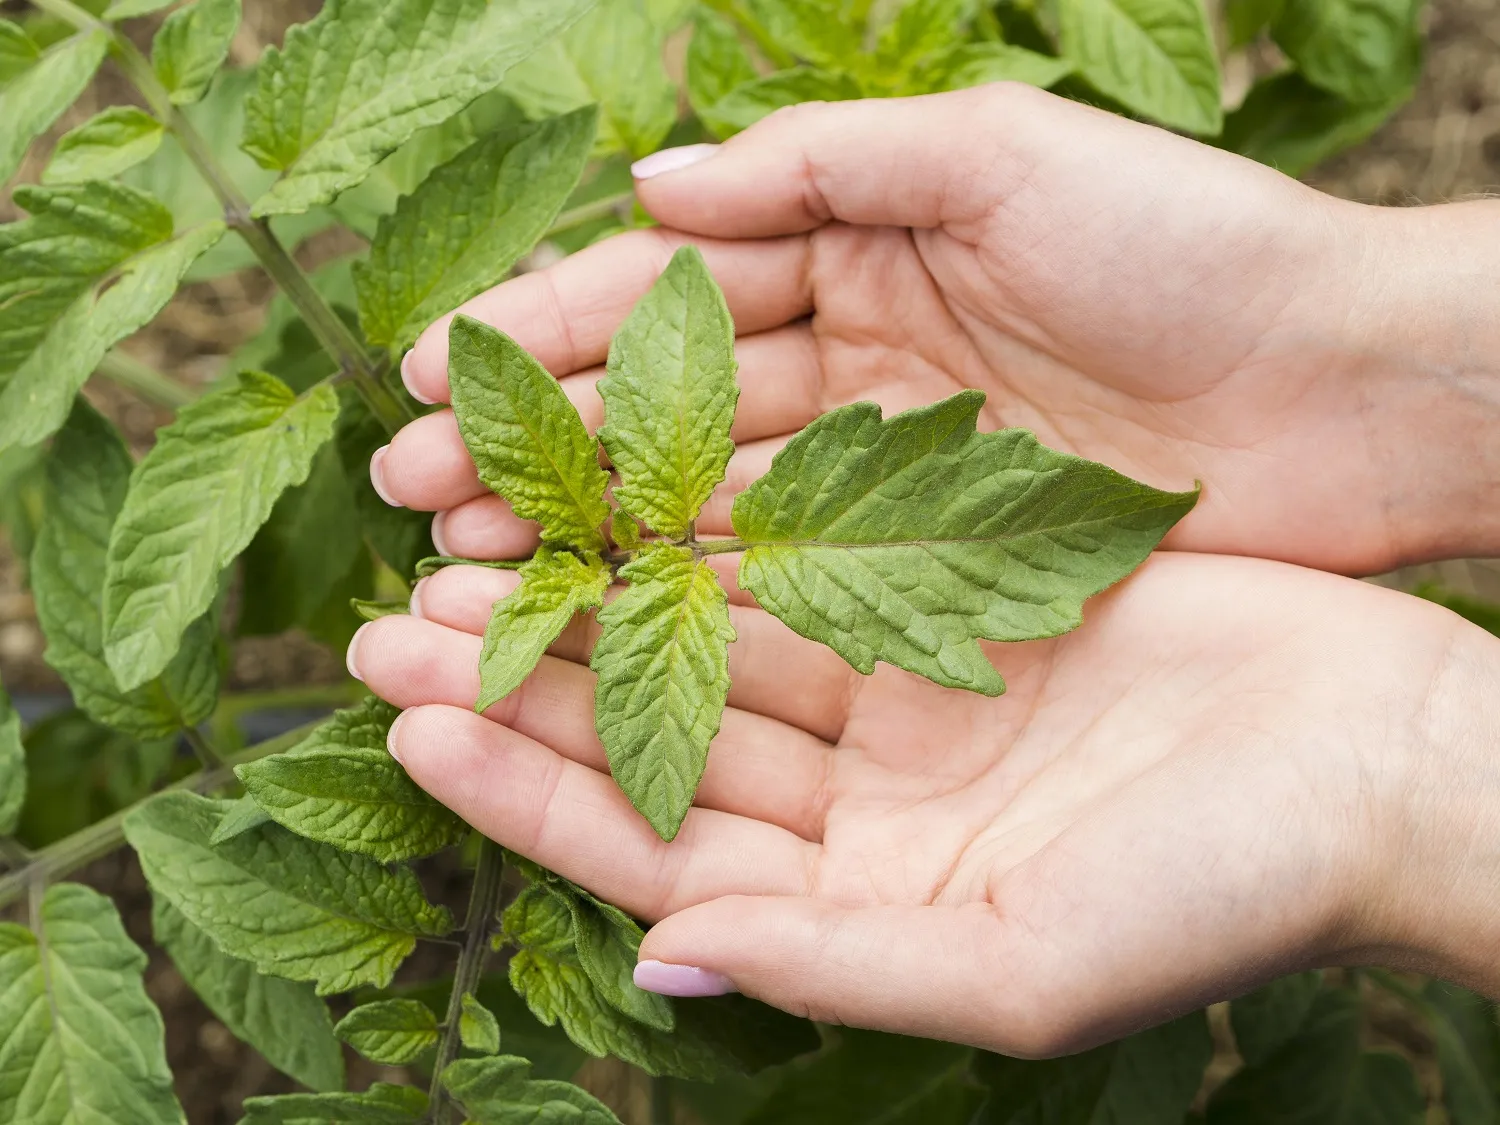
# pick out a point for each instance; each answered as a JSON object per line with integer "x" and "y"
{"x": 681, "y": 980}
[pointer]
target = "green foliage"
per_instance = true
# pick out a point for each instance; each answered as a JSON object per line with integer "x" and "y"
{"x": 12, "y": 766}
{"x": 478, "y": 1029}
{"x": 104, "y": 146}
{"x": 36, "y": 98}
{"x": 1359, "y": 50}
{"x": 499, "y": 1092}
{"x": 1265, "y": 1020}
{"x": 1290, "y": 124}
{"x": 381, "y": 1104}
{"x": 393, "y": 1032}
{"x": 18, "y": 51}
{"x": 191, "y": 46}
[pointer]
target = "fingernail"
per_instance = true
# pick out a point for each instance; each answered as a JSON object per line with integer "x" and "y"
{"x": 414, "y": 603}
{"x": 408, "y": 379}
{"x": 391, "y": 741}
{"x": 377, "y": 476}
{"x": 437, "y": 534}
{"x": 671, "y": 160}
{"x": 681, "y": 980}
{"x": 351, "y": 656}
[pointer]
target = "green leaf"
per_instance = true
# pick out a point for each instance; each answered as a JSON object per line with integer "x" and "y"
{"x": 669, "y": 397}
{"x": 743, "y": 106}
{"x": 392, "y": 1032}
{"x": 381, "y": 1104}
{"x": 283, "y": 1020}
{"x": 1467, "y": 1038}
{"x": 292, "y": 907}
{"x": 527, "y": 441}
{"x": 921, "y": 28}
{"x": 128, "y": 9}
{"x": 555, "y": 587}
{"x": 1293, "y": 126}
{"x": 1364, "y": 51}
{"x": 1323, "y": 1076}
{"x": 478, "y": 1029}
{"x": 1246, "y": 19}
{"x": 12, "y": 766}
{"x": 103, "y": 146}
{"x": 241, "y": 816}
{"x": 979, "y": 63}
{"x": 375, "y": 610}
{"x": 611, "y": 58}
{"x": 501, "y": 1092}
{"x": 351, "y": 85}
{"x": 624, "y": 531}
{"x": 907, "y": 540}
{"x": 81, "y": 1041}
{"x": 1155, "y": 57}
{"x": 191, "y": 46}
{"x": 1267, "y": 1018}
{"x": 810, "y": 30}
{"x": 340, "y": 786}
{"x": 400, "y": 536}
{"x": 88, "y": 471}
{"x": 18, "y": 51}
{"x": 468, "y": 224}
{"x": 31, "y": 102}
{"x": 663, "y": 665}
{"x": 195, "y": 502}
{"x": 717, "y": 61}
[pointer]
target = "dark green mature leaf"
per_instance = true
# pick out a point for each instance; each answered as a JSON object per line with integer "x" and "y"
{"x": 908, "y": 539}
{"x": 1364, "y": 51}
{"x": 527, "y": 441}
{"x": 191, "y": 46}
{"x": 88, "y": 471}
{"x": 1155, "y": 57}
{"x": 12, "y": 766}
{"x": 1267, "y": 1018}
{"x": 663, "y": 666}
{"x": 31, "y": 102}
{"x": 18, "y": 51}
{"x": 669, "y": 397}
{"x": 502, "y": 1092}
{"x": 717, "y": 61}
{"x": 381, "y": 1104}
{"x": 1467, "y": 1036}
{"x": 283, "y": 1020}
{"x": 555, "y": 587}
{"x": 611, "y": 58}
{"x": 351, "y": 85}
{"x": 478, "y": 1028}
{"x": 292, "y": 907}
{"x": 1323, "y": 1076}
{"x": 195, "y": 502}
{"x": 815, "y": 30}
{"x": 340, "y": 786}
{"x": 468, "y": 224}
{"x": 80, "y": 1040}
{"x": 743, "y": 106}
{"x": 111, "y": 141}
{"x": 393, "y": 1032}
{"x": 400, "y": 536}
{"x": 978, "y": 63}
{"x": 1293, "y": 126}
{"x": 1246, "y": 19}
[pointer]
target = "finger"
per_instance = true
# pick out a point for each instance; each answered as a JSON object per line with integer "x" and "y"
{"x": 484, "y": 528}
{"x": 575, "y": 821}
{"x": 566, "y": 314}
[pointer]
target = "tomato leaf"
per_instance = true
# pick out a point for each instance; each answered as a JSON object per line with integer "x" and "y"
{"x": 500, "y": 1091}
{"x": 191, "y": 46}
{"x": 381, "y": 1104}
{"x": 111, "y": 141}
{"x": 478, "y": 1028}
{"x": 12, "y": 766}
{"x": 391, "y": 1032}
{"x": 36, "y": 98}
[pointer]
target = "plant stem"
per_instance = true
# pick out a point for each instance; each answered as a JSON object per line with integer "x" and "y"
{"x": 484, "y": 901}
{"x": 589, "y": 212}
{"x": 661, "y": 1101}
{"x": 13, "y": 852}
{"x": 777, "y": 55}
{"x": 719, "y": 547}
{"x": 144, "y": 380}
{"x": 207, "y": 755}
{"x": 232, "y": 707}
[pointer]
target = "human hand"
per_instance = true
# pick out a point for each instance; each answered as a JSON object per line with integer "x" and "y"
{"x": 1176, "y": 312}
{"x": 1236, "y": 769}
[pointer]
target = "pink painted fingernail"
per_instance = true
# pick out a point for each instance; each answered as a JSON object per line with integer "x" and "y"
{"x": 408, "y": 378}
{"x": 391, "y": 740}
{"x": 377, "y": 476}
{"x": 437, "y": 534}
{"x": 351, "y": 656}
{"x": 681, "y": 980}
{"x": 671, "y": 160}
{"x": 414, "y": 603}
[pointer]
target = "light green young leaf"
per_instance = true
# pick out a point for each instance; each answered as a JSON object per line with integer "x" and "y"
{"x": 502, "y": 1092}
{"x": 12, "y": 766}
{"x": 468, "y": 224}
{"x": 129, "y": 9}
{"x": 381, "y": 1104}
{"x": 717, "y": 61}
{"x": 18, "y": 51}
{"x": 31, "y": 102}
{"x": 669, "y": 397}
{"x": 191, "y": 46}
{"x": 1246, "y": 19}
{"x": 611, "y": 58}
{"x": 88, "y": 471}
{"x": 103, "y": 146}
{"x": 283, "y": 1020}
{"x": 1364, "y": 51}
{"x": 1267, "y": 1018}
{"x": 743, "y": 106}
{"x": 392, "y": 1032}
{"x": 195, "y": 502}
{"x": 80, "y": 1040}
{"x": 921, "y": 28}
{"x": 814, "y": 30}
{"x": 1293, "y": 126}
{"x": 979, "y": 63}
{"x": 555, "y": 587}
{"x": 351, "y": 85}
{"x": 478, "y": 1029}
{"x": 1155, "y": 57}
{"x": 292, "y": 907}
{"x": 340, "y": 786}
{"x": 527, "y": 440}
{"x": 908, "y": 540}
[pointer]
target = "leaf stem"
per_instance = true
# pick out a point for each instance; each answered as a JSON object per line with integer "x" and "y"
{"x": 719, "y": 547}
{"x": 13, "y": 852}
{"x": 144, "y": 380}
{"x": 208, "y": 757}
{"x": 777, "y": 55}
{"x": 589, "y": 212}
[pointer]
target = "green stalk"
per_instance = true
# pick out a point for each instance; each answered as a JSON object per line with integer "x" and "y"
{"x": 144, "y": 380}
{"x": 589, "y": 212}
{"x": 719, "y": 547}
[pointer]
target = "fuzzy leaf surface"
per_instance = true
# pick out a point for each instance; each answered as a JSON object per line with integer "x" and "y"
{"x": 478, "y": 1029}
{"x": 12, "y": 766}
{"x": 920, "y": 29}
{"x": 1156, "y": 57}
{"x": 81, "y": 1041}
{"x": 360, "y": 78}
{"x": 669, "y": 397}
{"x": 241, "y": 816}
{"x": 194, "y": 504}
{"x": 294, "y": 908}
{"x": 340, "y": 786}
{"x": 663, "y": 667}
{"x": 31, "y": 102}
{"x": 392, "y": 1032}
{"x": 283, "y": 1020}
{"x": 717, "y": 61}
{"x": 743, "y": 106}
{"x": 555, "y": 587}
{"x": 468, "y": 223}
{"x": 527, "y": 441}
{"x": 88, "y": 472}
{"x": 908, "y": 539}
{"x": 501, "y": 1091}
{"x": 111, "y": 141}
{"x": 381, "y": 1104}
{"x": 191, "y": 46}
{"x": 1363, "y": 51}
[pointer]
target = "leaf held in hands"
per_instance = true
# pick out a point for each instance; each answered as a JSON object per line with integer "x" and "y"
{"x": 478, "y": 1028}
{"x": 501, "y": 1091}
{"x": 191, "y": 46}
{"x": 195, "y": 502}
{"x": 381, "y": 1104}
{"x": 103, "y": 146}
{"x": 392, "y": 1032}
{"x": 527, "y": 441}
{"x": 909, "y": 539}
{"x": 31, "y": 102}
{"x": 669, "y": 397}
{"x": 12, "y": 766}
